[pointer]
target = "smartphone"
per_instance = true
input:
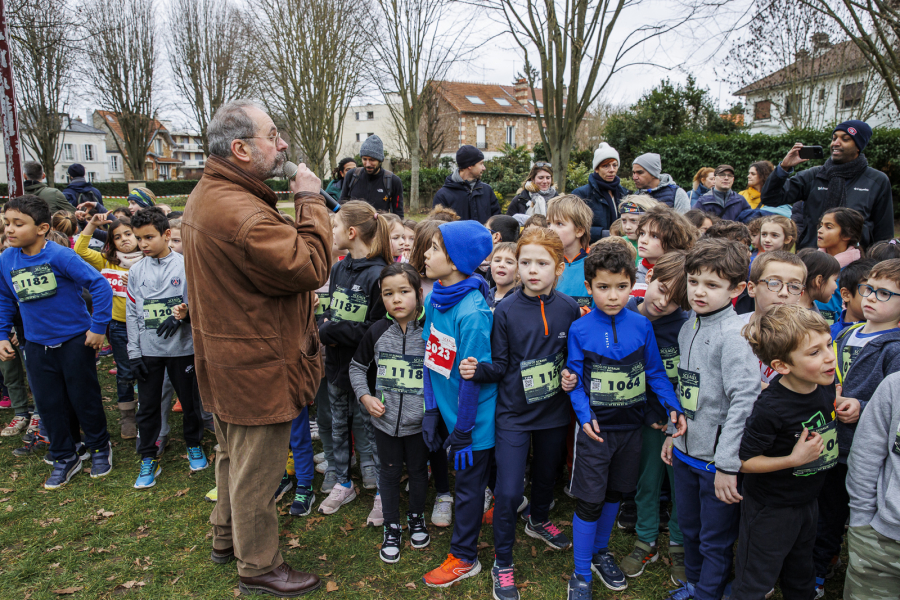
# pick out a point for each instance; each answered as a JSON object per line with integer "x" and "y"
{"x": 811, "y": 152}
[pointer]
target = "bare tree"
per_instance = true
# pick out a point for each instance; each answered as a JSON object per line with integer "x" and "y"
{"x": 590, "y": 132}
{"x": 210, "y": 52}
{"x": 313, "y": 61}
{"x": 433, "y": 129}
{"x": 123, "y": 52}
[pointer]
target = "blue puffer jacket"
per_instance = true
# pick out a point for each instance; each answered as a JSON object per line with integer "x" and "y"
{"x": 605, "y": 209}
{"x": 701, "y": 191}
{"x": 735, "y": 204}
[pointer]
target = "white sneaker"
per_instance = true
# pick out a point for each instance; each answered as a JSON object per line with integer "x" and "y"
{"x": 568, "y": 491}
{"x": 338, "y": 497}
{"x": 488, "y": 496}
{"x": 319, "y": 458}
{"x": 376, "y": 516}
{"x": 522, "y": 505}
{"x": 15, "y": 427}
{"x": 322, "y": 466}
{"x": 34, "y": 426}
{"x": 313, "y": 430}
{"x": 442, "y": 515}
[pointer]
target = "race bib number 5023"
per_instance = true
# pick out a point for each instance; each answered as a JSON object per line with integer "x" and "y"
{"x": 440, "y": 352}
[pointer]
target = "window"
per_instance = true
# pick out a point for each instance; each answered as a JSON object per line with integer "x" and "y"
{"x": 481, "y": 136}
{"x": 762, "y": 110}
{"x": 365, "y": 116}
{"x": 158, "y": 146}
{"x": 358, "y": 136}
{"x": 370, "y": 115}
{"x": 368, "y": 135}
{"x": 163, "y": 171}
{"x": 822, "y": 95}
{"x": 93, "y": 176}
{"x": 474, "y": 99}
{"x": 88, "y": 152}
{"x": 792, "y": 106}
{"x": 69, "y": 151}
{"x": 114, "y": 163}
{"x": 511, "y": 135}
{"x": 502, "y": 102}
{"x": 539, "y": 104}
{"x": 852, "y": 95}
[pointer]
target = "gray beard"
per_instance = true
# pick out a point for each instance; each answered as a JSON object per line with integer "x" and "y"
{"x": 263, "y": 170}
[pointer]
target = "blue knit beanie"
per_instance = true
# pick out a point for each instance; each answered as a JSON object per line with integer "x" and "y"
{"x": 858, "y": 130}
{"x": 468, "y": 243}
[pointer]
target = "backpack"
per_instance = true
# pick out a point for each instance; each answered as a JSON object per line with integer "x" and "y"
{"x": 388, "y": 179}
{"x": 85, "y": 197}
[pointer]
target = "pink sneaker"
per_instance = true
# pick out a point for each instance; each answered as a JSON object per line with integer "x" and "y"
{"x": 5, "y": 402}
{"x": 113, "y": 371}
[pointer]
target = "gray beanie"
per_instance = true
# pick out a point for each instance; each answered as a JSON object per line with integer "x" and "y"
{"x": 651, "y": 162}
{"x": 373, "y": 148}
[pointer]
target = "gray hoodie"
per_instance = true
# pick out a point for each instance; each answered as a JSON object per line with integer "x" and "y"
{"x": 155, "y": 285}
{"x": 682, "y": 202}
{"x": 712, "y": 348}
{"x": 873, "y": 469}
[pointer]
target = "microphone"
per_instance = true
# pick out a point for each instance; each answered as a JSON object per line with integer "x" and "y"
{"x": 290, "y": 171}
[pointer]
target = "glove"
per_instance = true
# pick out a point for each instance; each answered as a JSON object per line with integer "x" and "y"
{"x": 141, "y": 372}
{"x": 168, "y": 327}
{"x": 429, "y": 429}
{"x": 460, "y": 445}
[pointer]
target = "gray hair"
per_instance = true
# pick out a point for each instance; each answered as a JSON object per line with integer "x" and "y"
{"x": 33, "y": 170}
{"x": 231, "y": 122}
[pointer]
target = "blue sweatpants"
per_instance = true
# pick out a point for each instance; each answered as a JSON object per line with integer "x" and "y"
{"x": 710, "y": 528}
{"x": 301, "y": 445}
{"x": 469, "y": 505}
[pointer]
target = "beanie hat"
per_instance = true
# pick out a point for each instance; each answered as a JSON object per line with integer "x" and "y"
{"x": 603, "y": 152}
{"x": 467, "y": 156}
{"x": 142, "y": 198}
{"x": 77, "y": 170}
{"x": 651, "y": 162}
{"x": 468, "y": 243}
{"x": 858, "y": 130}
{"x": 373, "y": 148}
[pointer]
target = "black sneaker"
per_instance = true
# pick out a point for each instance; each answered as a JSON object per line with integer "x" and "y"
{"x": 390, "y": 546}
{"x": 547, "y": 533}
{"x": 504, "y": 583}
{"x": 283, "y": 487}
{"x": 627, "y": 516}
{"x": 63, "y": 471}
{"x": 37, "y": 444}
{"x": 304, "y": 498}
{"x": 418, "y": 532}
{"x": 101, "y": 461}
{"x": 604, "y": 566}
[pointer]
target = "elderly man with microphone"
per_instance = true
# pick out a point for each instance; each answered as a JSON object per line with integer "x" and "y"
{"x": 251, "y": 276}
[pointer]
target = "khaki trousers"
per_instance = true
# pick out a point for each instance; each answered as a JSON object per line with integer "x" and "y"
{"x": 249, "y": 467}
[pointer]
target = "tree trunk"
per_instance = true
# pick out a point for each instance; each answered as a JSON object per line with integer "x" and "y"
{"x": 414, "y": 201}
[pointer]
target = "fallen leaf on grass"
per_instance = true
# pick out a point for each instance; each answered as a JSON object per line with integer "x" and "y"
{"x": 323, "y": 557}
{"x": 8, "y": 491}
{"x": 313, "y": 521}
{"x": 130, "y": 584}
{"x": 331, "y": 587}
{"x": 64, "y": 502}
{"x": 9, "y": 509}
{"x": 4, "y": 499}
{"x": 482, "y": 546}
{"x": 411, "y": 585}
{"x": 68, "y": 590}
{"x": 174, "y": 581}
{"x": 111, "y": 578}
{"x": 294, "y": 543}
{"x": 14, "y": 475}
{"x": 105, "y": 513}
{"x": 533, "y": 552}
{"x": 53, "y": 549}
{"x": 237, "y": 592}
{"x": 180, "y": 493}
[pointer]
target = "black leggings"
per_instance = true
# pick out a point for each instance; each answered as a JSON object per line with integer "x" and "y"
{"x": 393, "y": 452}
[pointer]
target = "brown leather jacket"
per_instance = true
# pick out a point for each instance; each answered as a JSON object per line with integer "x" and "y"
{"x": 251, "y": 276}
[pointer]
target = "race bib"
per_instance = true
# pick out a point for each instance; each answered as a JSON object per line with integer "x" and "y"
{"x": 830, "y": 316}
{"x": 583, "y": 300}
{"x": 829, "y": 455}
{"x": 848, "y": 355}
{"x": 157, "y": 311}
{"x": 541, "y": 377}
{"x": 671, "y": 359}
{"x": 34, "y": 283}
{"x": 324, "y": 302}
{"x": 114, "y": 278}
{"x": 614, "y": 386}
{"x": 400, "y": 373}
{"x": 348, "y": 306}
{"x": 440, "y": 352}
{"x": 688, "y": 391}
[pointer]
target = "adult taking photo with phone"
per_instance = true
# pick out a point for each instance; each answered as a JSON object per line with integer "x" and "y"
{"x": 844, "y": 180}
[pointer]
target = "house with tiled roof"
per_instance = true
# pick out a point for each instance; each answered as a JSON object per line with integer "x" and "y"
{"x": 161, "y": 163}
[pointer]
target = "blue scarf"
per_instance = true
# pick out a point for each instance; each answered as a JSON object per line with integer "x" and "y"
{"x": 444, "y": 298}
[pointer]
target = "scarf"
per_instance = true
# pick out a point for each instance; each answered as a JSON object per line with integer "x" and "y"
{"x": 837, "y": 176}
{"x": 126, "y": 259}
{"x": 847, "y": 256}
{"x": 538, "y": 204}
{"x": 598, "y": 183}
{"x": 469, "y": 184}
{"x": 444, "y": 298}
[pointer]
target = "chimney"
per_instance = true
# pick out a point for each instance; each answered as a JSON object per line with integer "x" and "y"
{"x": 78, "y": 119}
{"x": 820, "y": 41}
{"x": 520, "y": 90}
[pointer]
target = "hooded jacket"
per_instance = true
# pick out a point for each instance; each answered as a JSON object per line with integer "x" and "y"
{"x": 476, "y": 203}
{"x": 697, "y": 193}
{"x": 79, "y": 186}
{"x": 735, "y": 204}
{"x": 669, "y": 194}
{"x": 752, "y": 196}
{"x": 52, "y": 196}
{"x": 605, "y": 209}
{"x": 155, "y": 285}
{"x": 252, "y": 274}
{"x": 388, "y": 365}
{"x": 355, "y": 306}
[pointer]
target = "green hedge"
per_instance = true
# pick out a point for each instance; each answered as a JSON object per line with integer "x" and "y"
{"x": 430, "y": 181}
{"x": 175, "y": 187}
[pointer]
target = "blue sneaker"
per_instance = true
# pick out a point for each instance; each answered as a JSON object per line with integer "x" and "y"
{"x": 604, "y": 566}
{"x": 63, "y": 471}
{"x": 504, "y": 583}
{"x": 304, "y": 498}
{"x": 682, "y": 593}
{"x": 283, "y": 487}
{"x": 101, "y": 461}
{"x": 196, "y": 459}
{"x": 150, "y": 470}
{"x": 579, "y": 588}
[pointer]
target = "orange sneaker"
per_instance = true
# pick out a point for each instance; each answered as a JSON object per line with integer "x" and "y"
{"x": 453, "y": 570}
{"x": 488, "y": 518}
{"x": 177, "y": 407}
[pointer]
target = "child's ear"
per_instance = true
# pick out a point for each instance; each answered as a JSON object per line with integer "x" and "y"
{"x": 780, "y": 366}
{"x": 751, "y": 289}
{"x": 649, "y": 276}
{"x": 43, "y": 228}
{"x": 351, "y": 233}
{"x": 496, "y": 237}
{"x": 560, "y": 269}
{"x": 846, "y": 296}
{"x": 587, "y": 286}
{"x": 738, "y": 290}
{"x": 579, "y": 232}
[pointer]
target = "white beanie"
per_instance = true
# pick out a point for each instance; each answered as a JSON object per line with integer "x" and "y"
{"x": 603, "y": 152}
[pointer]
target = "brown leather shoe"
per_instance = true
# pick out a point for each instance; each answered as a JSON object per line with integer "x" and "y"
{"x": 222, "y": 557}
{"x": 282, "y": 581}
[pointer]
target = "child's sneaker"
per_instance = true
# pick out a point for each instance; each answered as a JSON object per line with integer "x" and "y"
{"x": 38, "y": 443}
{"x": 627, "y": 516}
{"x": 322, "y": 467}
{"x": 196, "y": 458}
{"x": 369, "y": 477}
{"x": 488, "y": 517}
{"x": 212, "y": 495}
{"x": 504, "y": 581}
{"x": 488, "y": 496}
{"x": 18, "y": 424}
{"x": 304, "y": 498}
{"x": 390, "y": 544}
{"x": 676, "y": 559}
{"x": 5, "y": 401}
{"x": 34, "y": 428}
{"x": 579, "y": 588}
{"x": 290, "y": 463}
{"x": 452, "y": 570}
{"x": 283, "y": 487}
{"x": 105, "y": 350}
{"x": 418, "y": 531}
{"x": 150, "y": 470}
{"x": 161, "y": 444}
{"x": 313, "y": 430}
{"x": 338, "y": 497}
{"x": 442, "y": 514}
{"x": 604, "y": 566}
{"x": 319, "y": 458}
{"x": 63, "y": 471}
{"x": 547, "y": 533}
{"x": 329, "y": 482}
{"x": 101, "y": 461}
{"x": 177, "y": 407}
{"x": 633, "y": 565}
{"x": 376, "y": 516}
{"x": 820, "y": 588}
{"x": 686, "y": 592}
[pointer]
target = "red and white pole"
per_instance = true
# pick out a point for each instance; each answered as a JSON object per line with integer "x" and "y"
{"x": 9, "y": 122}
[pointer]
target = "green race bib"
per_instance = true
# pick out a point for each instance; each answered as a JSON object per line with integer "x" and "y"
{"x": 671, "y": 359}
{"x": 688, "y": 391}
{"x": 348, "y": 306}
{"x": 541, "y": 377}
{"x": 896, "y": 448}
{"x": 34, "y": 283}
{"x": 324, "y": 301}
{"x": 400, "y": 373}
{"x": 848, "y": 355}
{"x": 615, "y": 386}
{"x": 828, "y": 457}
{"x": 157, "y": 311}
{"x": 583, "y": 300}
{"x": 830, "y": 316}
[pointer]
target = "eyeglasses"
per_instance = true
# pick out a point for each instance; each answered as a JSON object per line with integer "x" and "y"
{"x": 776, "y": 285}
{"x": 272, "y": 138}
{"x": 542, "y": 164}
{"x": 882, "y": 295}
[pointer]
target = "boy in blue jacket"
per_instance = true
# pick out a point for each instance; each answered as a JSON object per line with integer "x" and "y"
{"x": 46, "y": 280}
{"x": 571, "y": 218}
{"x": 458, "y": 325}
{"x": 613, "y": 353}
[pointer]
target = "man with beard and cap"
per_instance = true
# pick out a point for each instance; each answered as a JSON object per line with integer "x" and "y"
{"x": 79, "y": 190}
{"x": 646, "y": 172}
{"x": 463, "y": 190}
{"x": 846, "y": 179}
{"x": 252, "y": 276}
{"x": 372, "y": 183}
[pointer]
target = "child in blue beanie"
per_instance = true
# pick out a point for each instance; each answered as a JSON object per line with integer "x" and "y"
{"x": 458, "y": 324}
